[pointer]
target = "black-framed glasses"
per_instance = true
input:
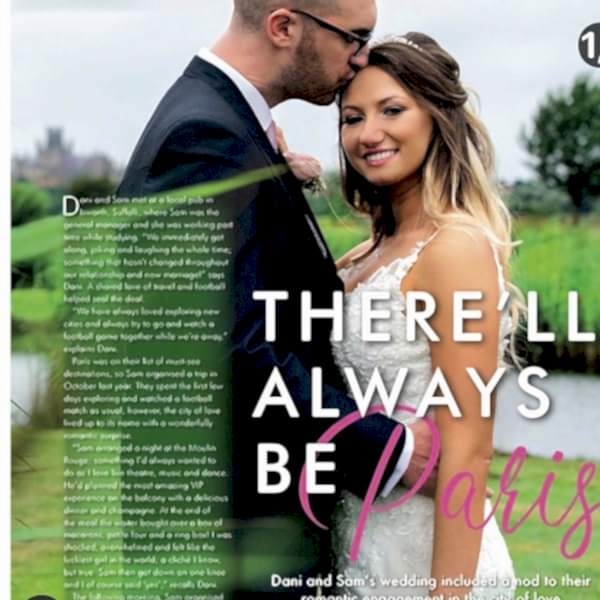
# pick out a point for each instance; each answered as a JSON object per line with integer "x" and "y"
{"x": 348, "y": 36}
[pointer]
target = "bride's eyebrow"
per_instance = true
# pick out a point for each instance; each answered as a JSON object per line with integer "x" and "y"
{"x": 350, "y": 107}
{"x": 394, "y": 97}
{"x": 381, "y": 102}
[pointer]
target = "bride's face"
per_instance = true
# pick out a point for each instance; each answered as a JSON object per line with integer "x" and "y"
{"x": 385, "y": 133}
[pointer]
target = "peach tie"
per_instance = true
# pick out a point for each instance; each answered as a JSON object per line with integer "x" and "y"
{"x": 272, "y": 134}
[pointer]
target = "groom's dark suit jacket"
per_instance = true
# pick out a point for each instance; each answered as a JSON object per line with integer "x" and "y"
{"x": 203, "y": 130}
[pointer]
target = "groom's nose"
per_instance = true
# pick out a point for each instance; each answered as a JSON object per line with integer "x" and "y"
{"x": 360, "y": 60}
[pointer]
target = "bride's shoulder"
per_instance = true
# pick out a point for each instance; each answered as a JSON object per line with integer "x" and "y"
{"x": 460, "y": 252}
{"x": 350, "y": 256}
{"x": 460, "y": 237}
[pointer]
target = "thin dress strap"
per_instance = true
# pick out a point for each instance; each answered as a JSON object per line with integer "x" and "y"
{"x": 403, "y": 265}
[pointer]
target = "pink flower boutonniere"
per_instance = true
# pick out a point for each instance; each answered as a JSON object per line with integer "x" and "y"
{"x": 305, "y": 168}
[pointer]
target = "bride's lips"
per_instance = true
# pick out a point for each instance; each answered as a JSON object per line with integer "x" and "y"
{"x": 379, "y": 157}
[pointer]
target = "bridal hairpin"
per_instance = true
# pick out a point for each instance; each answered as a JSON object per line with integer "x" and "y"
{"x": 407, "y": 42}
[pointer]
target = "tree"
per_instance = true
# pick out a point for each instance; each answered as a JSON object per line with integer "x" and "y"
{"x": 28, "y": 203}
{"x": 536, "y": 198}
{"x": 92, "y": 187}
{"x": 565, "y": 141}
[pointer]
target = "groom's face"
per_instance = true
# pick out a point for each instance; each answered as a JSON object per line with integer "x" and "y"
{"x": 325, "y": 60}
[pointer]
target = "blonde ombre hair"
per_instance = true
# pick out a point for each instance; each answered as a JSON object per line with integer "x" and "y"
{"x": 459, "y": 185}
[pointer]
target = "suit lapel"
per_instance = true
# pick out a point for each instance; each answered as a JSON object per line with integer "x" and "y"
{"x": 229, "y": 91}
{"x": 202, "y": 69}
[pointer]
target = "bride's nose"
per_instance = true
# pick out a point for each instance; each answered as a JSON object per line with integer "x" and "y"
{"x": 371, "y": 133}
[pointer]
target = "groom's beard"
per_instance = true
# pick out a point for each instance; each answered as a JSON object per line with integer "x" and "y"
{"x": 307, "y": 78}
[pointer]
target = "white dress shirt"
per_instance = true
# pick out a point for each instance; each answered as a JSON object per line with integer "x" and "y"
{"x": 261, "y": 110}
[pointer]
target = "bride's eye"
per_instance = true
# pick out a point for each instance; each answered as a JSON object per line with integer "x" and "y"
{"x": 393, "y": 111}
{"x": 351, "y": 119}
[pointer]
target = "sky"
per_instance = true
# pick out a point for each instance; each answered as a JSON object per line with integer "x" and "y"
{"x": 98, "y": 68}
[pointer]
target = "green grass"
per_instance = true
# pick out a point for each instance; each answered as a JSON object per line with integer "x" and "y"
{"x": 343, "y": 233}
{"x": 37, "y": 515}
{"x": 37, "y": 499}
{"x": 35, "y": 305}
{"x": 554, "y": 259}
{"x": 534, "y": 547}
{"x": 36, "y": 239}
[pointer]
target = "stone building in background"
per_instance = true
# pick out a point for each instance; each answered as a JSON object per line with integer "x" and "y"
{"x": 56, "y": 164}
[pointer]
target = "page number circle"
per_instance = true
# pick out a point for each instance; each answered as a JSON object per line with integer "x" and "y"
{"x": 589, "y": 45}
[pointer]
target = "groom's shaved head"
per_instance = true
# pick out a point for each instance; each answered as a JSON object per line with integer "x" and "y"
{"x": 252, "y": 12}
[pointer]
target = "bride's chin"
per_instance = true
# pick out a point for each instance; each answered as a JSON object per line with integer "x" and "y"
{"x": 379, "y": 182}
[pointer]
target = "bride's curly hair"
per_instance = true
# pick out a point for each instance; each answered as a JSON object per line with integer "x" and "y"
{"x": 459, "y": 184}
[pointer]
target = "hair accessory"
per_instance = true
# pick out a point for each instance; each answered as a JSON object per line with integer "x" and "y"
{"x": 407, "y": 42}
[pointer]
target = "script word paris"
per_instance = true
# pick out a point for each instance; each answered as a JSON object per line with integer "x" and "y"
{"x": 579, "y": 507}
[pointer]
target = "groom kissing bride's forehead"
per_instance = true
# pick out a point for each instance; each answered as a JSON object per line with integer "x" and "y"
{"x": 215, "y": 123}
{"x": 311, "y": 47}
{"x": 272, "y": 51}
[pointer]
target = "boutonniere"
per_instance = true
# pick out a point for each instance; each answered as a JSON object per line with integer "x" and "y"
{"x": 305, "y": 168}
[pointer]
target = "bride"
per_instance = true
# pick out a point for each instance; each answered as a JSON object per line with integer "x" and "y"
{"x": 418, "y": 162}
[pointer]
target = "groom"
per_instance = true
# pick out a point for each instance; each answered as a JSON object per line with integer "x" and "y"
{"x": 213, "y": 124}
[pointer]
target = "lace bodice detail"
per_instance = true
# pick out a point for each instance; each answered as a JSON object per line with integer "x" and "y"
{"x": 398, "y": 352}
{"x": 389, "y": 356}
{"x": 399, "y": 542}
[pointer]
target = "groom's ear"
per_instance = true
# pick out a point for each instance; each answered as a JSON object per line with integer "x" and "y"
{"x": 283, "y": 28}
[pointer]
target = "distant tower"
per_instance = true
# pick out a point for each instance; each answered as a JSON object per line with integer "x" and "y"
{"x": 55, "y": 138}
{"x": 55, "y": 159}
{"x": 54, "y": 143}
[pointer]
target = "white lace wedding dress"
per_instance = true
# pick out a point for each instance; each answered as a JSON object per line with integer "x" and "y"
{"x": 399, "y": 543}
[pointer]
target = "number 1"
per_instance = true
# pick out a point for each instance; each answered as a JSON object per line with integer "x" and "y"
{"x": 590, "y": 38}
